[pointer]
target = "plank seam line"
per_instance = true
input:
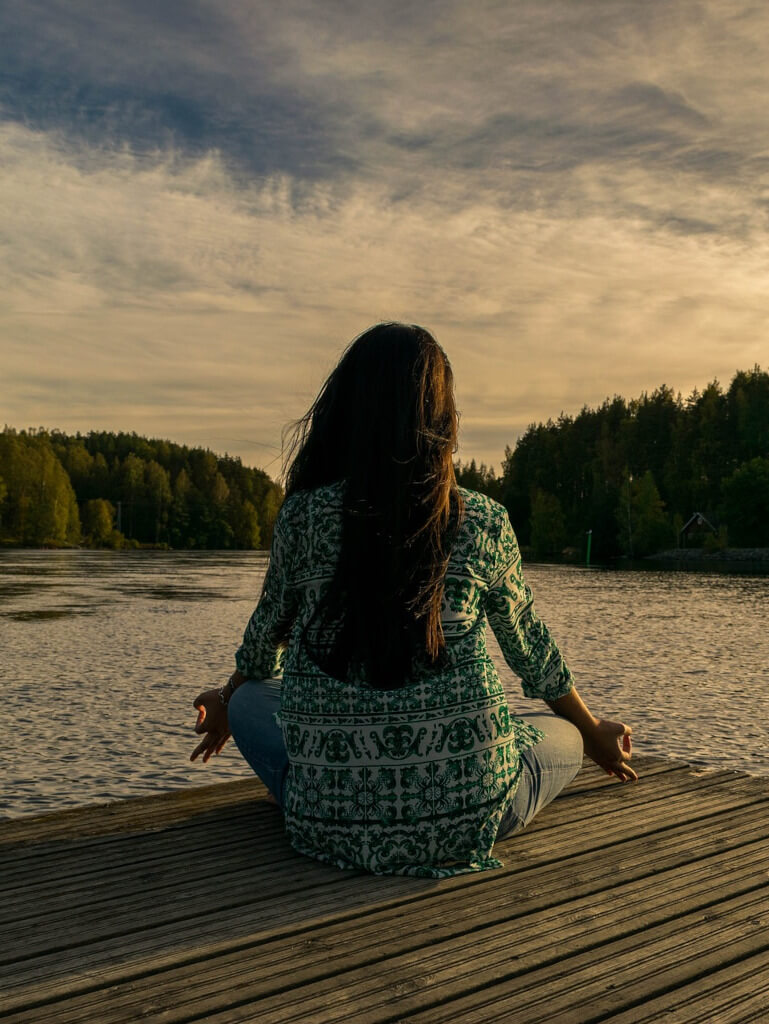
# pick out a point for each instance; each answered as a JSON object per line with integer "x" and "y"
{"x": 604, "y": 1015}
{"x": 127, "y": 831}
{"x": 44, "y": 858}
{"x": 246, "y": 811}
{"x": 163, "y": 858}
{"x": 594, "y": 809}
{"x": 437, "y": 1003}
{"x": 248, "y": 802}
{"x": 170, "y": 886}
{"x": 576, "y": 790}
{"x": 114, "y": 874}
{"x": 665, "y": 989}
{"x": 376, "y": 956}
{"x": 404, "y": 900}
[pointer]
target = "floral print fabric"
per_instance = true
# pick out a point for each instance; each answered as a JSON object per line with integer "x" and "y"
{"x": 413, "y": 781}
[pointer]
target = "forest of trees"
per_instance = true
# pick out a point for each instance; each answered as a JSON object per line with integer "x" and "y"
{"x": 121, "y": 490}
{"x": 634, "y": 472}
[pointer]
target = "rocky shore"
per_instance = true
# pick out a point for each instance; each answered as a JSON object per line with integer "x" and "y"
{"x": 700, "y": 555}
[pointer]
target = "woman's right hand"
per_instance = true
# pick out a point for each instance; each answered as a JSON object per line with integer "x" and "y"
{"x": 212, "y": 724}
{"x": 610, "y": 746}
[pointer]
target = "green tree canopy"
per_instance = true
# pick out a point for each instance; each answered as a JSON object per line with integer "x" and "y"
{"x": 98, "y": 521}
{"x": 41, "y": 507}
{"x": 548, "y": 533}
{"x": 161, "y": 493}
{"x": 746, "y": 503}
{"x": 690, "y": 447}
{"x": 643, "y": 527}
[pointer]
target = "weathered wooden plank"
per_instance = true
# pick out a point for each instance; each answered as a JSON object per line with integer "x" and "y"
{"x": 175, "y": 809}
{"x": 62, "y": 853}
{"x": 99, "y": 874}
{"x": 733, "y": 994}
{"x": 582, "y": 987}
{"x": 539, "y": 885}
{"x": 59, "y": 859}
{"x": 522, "y": 844}
{"x": 47, "y": 852}
{"x": 127, "y": 944}
{"x": 249, "y": 842}
{"x": 280, "y": 970}
{"x": 79, "y": 858}
{"x": 694, "y": 946}
{"x": 143, "y": 812}
{"x": 556, "y": 979}
{"x": 592, "y": 777}
{"x": 137, "y": 909}
{"x": 599, "y": 802}
{"x": 256, "y": 833}
{"x": 589, "y": 986}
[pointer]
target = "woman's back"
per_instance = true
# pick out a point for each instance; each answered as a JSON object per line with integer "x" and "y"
{"x": 396, "y": 750}
{"x": 415, "y": 779}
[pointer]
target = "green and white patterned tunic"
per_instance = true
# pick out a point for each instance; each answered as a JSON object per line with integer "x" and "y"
{"x": 412, "y": 781}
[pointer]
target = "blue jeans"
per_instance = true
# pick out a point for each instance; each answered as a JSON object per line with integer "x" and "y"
{"x": 251, "y": 716}
{"x": 546, "y": 768}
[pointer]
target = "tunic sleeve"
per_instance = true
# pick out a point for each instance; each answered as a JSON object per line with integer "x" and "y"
{"x": 260, "y": 656}
{"x": 525, "y": 640}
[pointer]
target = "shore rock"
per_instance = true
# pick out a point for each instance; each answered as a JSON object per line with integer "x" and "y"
{"x": 699, "y": 555}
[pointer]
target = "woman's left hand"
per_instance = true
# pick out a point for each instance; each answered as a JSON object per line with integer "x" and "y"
{"x": 212, "y": 723}
{"x": 610, "y": 746}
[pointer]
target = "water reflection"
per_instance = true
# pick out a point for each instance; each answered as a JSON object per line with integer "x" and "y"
{"x": 43, "y": 614}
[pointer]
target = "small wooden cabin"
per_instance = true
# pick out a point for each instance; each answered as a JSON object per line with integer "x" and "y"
{"x": 696, "y": 528}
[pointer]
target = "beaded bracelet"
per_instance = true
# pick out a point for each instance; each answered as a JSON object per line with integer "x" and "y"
{"x": 223, "y": 688}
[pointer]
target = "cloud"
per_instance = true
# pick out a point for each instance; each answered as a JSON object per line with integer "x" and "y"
{"x": 201, "y": 205}
{"x": 377, "y": 91}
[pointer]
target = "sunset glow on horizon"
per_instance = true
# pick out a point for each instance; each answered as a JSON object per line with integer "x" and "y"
{"x": 201, "y": 206}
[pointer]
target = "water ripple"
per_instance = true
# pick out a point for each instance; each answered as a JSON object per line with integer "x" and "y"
{"x": 105, "y": 651}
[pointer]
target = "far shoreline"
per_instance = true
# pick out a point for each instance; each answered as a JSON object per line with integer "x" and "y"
{"x": 753, "y": 561}
{"x": 123, "y": 549}
{"x": 737, "y": 560}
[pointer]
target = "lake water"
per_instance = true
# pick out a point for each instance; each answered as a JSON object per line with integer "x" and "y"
{"x": 103, "y": 653}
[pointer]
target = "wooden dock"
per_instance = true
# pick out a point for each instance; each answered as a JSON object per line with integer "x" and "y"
{"x": 629, "y": 904}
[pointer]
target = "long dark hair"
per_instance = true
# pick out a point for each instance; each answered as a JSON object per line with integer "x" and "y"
{"x": 385, "y": 424}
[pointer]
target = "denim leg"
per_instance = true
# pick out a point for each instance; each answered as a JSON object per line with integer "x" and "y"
{"x": 251, "y": 712}
{"x": 545, "y": 769}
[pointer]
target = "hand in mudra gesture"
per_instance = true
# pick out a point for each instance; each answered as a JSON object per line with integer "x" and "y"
{"x": 610, "y": 746}
{"x": 212, "y": 723}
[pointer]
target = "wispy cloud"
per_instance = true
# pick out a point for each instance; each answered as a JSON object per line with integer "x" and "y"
{"x": 201, "y": 204}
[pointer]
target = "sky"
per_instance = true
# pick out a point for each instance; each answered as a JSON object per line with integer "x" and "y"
{"x": 203, "y": 202}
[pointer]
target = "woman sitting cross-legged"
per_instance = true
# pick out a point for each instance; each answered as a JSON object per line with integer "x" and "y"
{"x": 364, "y": 696}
